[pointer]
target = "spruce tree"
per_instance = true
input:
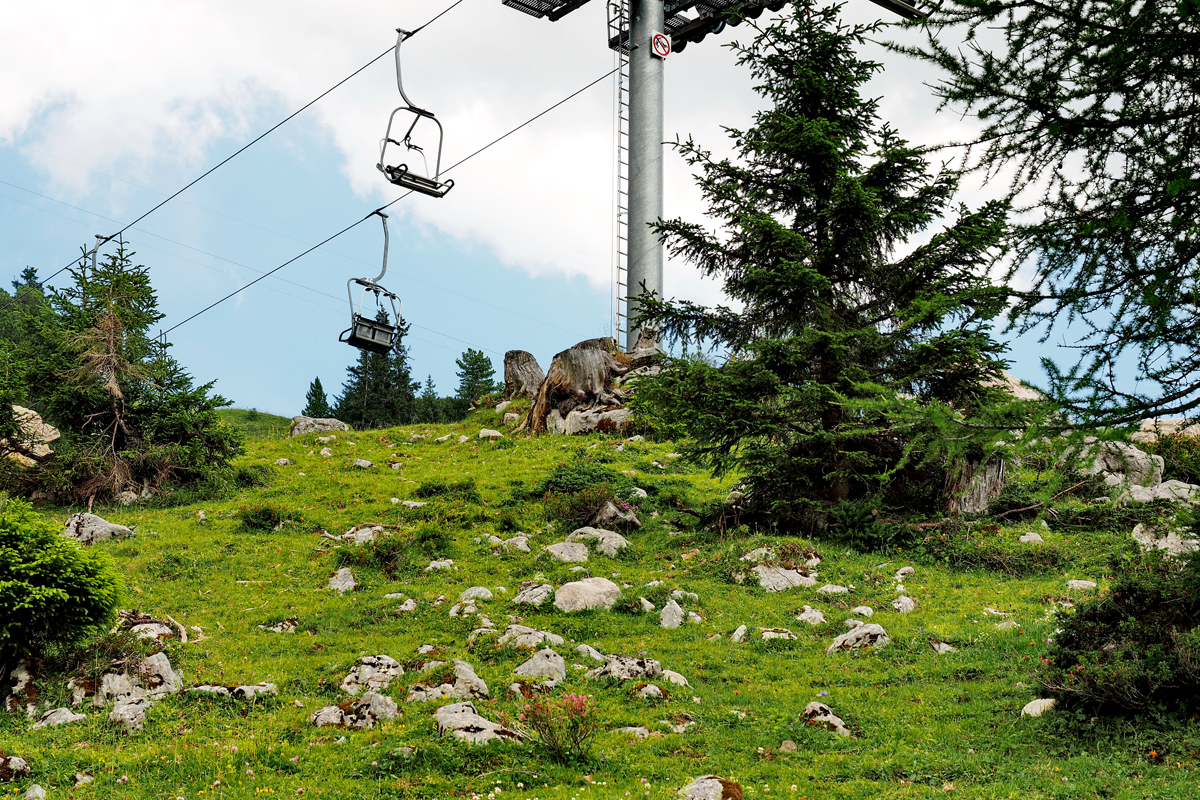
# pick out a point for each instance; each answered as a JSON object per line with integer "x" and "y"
{"x": 851, "y": 349}
{"x": 317, "y": 404}
{"x": 379, "y": 391}
{"x": 476, "y": 375}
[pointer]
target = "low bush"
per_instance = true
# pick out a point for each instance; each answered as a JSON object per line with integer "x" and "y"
{"x": 1180, "y": 454}
{"x": 459, "y": 490}
{"x": 399, "y": 553}
{"x": 984, "y": 546}
{"x": 576, "y": 476}
{"x": 577, "y": 509}
{"x": 263, "y": 517}
{"x": 564, "y": 726}
{"x": 856, "y": 524}
{"x": 52, "y": 593}
{"x": 1134, "y": 648}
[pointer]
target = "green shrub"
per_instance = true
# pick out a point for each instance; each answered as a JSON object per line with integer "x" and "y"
{"x": 1180, "y": 454}
{"x": 855, "y": 524}
{"x": 51, "y": 591}
{"x": 399, "y": 553}
{"x": 460, "y": 490}
{"x": 1135, "y": 647}
{"x": 575, "y": 476}
{"x": 264, "y": 517}
{"x": 963, "y": 546}
{"x": 577, "y": 509}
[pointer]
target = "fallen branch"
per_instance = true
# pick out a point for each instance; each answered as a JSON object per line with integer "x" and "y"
{"x": 1044, "y": 502}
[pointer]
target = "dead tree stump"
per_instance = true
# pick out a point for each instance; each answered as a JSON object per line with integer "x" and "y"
{"x": 579, "y": 386}
{"x": 522, "y": 375}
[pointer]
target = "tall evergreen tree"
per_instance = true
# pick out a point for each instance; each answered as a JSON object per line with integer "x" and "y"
{"x": 316, "y": 403}
{"x": 379, "y": 391}
{"x": 838, "y": 325}
{"x": 476, "y": 375}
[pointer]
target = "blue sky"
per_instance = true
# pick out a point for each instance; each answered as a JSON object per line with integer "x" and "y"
{"x": 113, "y": 108}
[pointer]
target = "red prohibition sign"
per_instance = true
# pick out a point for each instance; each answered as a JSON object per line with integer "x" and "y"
{"x": 661, "y": 45}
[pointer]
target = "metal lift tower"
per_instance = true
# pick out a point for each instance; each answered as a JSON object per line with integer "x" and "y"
{"x": 644, "y": 33}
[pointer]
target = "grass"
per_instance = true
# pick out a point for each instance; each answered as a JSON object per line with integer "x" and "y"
{"x": 925, "y": 725}
{"x": 255, "y": 424}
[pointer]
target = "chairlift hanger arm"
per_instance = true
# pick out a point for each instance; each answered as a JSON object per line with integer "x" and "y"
{"x": 401, "y": 36}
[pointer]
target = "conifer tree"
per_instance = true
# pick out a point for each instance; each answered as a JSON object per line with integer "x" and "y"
{"x": 379, "y": 391}
{"x": 476, "y": 375}
{"x": 317, "y": 404}
{"x": 841, "y": 321}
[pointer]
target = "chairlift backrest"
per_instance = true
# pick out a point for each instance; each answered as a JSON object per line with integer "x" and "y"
{"x": 401, "y": 174}
{"x": 366, "y": 332}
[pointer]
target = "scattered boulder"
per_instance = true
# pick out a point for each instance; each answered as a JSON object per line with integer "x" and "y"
{"x": 152, "y": 678}
{"x": 1035, "y": 708}
{"x": 1171, "y": 541}
{"x": 361, "y": 463}
{"x": 651, "y": 692}
{"x": 283, "y": 462}
{"x": 904, "y": 604}
{"x": 1031, "y": 538}
{"x": 739, "y": 635}
{"x": 832, "y": 588}
{"x": 775, "y": 578}
{"x": 1082, "y": 586}
{"x": 326, "y": 452}
{"x": 624, "y": 668}
{"x": 534, "y": 595}
{"x": 941, "y": 648}
{"x": 1117, "y": 462}
{"x": 568, "y": 552}
{"x": 776, "y": 633}
{"x": 414, "y": 504}
{"x": 636, "y": 732}
{"x": 488, "y": 433}
{"x": 436, "y": 565}
{"x": 870, "y": 635}
{"x": 544, "y": 664}
{"x": 862, "y": 611}
{"x": 475, "y": 593}
{"x": 518, "y": 542}
{"x": 462, "y": 721}
{"x": 587, "y": 651}
{"x": 35, "y": 792}
{"x": 1175, "y": 491}
{"x": 372, "y": 673}
{"x": 710, "y": 787}
{"x": 674, "y": 677}
{"x": 288, "y": 625}
{"x": 528, "y": 638}
{"x": 408, "y": 605}
{"x": 302, "y": 425}
{"x": 612, "y": 516}
{"x": 821, "y": 714}
{"x": 904, "y": 572}
{"x": 607, "y": 542}
{"x": 89, "y": 529}
{"x": 343, "y": 581}
{"x": 812, "y": 616}
{"x": 58, "y": 716}
{"x": 131, "y": 714}
{"x": 13, "y": 768}
{"x": 32, "y": 442}
{"x": 671, "y": 616}
{"x": 587, "y": 594}
{"x": 464, "y": 685}
{"x": 363, "y": 713}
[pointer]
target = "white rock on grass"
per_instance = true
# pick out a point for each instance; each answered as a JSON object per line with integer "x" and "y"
{"x": 475, "y": 593}
{"x": 739, "y": 635}
{"x": 775, "y": 578}
{"x": 35, "y": 792}
{"x": 624, "y": 668}
{"x": 587, "y": 594}
{"x": 647, "y": 606}
{"x": 436, "y": 565}
{"x": 694, "y": 618}
{"x": 1082, "y": 586}
{"x": 650, "y": 691}
{"x": 343, "y": 581}
{"x": 326, "y": 452}
{"x": 587, "y": 651}
{"x": 131, "y": 714}
{"x": 414, "y": 504}
{"x": 151, "y": 678}
{"x": 1007, "y": 625}
{"x": 528, "y": 638}
{"x": 710, "y": 787}
{"x": 812, "y": 616}
{"x": 1035, "y": 708}
{"x": 518, "y": 542}
{"x": 371, "y": 673}
{"x": 904, "y": 604}
{"x": 863, "y": 636}
{"x": 466, "y": 685}
{"x": 607, "y": 542}
{"x": 462, "y": 721}
{"x": 674, "y": 677}
{"x": 488, "y": 433}
{"x": 941, "y": 648}
{"x": 90, "y": 529}
{"x": 1031, "y": 538}
{"x": 776, "y": 633}
{"x": 464, "y": 439}
{"x": 903, "y": 571}
{"x": 821, "y": 714}
{"x": 283, "y": 462}
{"x": 544, "y": 664}
{"x": 361, "y": 463}
{"x": 366, "y": 712}
{"x": 863, "y": 611}
{"x": 636, "y": 732}
{"x": 13, "y": 768}
{"x": 671, "y": 616}
{"x": 568, "y": 552}
{"x": 534, "y": 595}
{"x": 408, "y": 605}
{"x": 56, "y": 717}
{"x": 832, "y": 588}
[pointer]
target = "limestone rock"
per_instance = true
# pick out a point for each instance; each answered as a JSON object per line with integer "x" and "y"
{"x": 822, "y": 714}
{"x": 302, "y": 425}
{"x": 436, "y": 565}
{"x": 776, "y": 633}
{"x": 739, "y": 635}
{"x": 363, "y": 713}
{"x": 288, "y": 625}
{"x": 587, "y": 651}
{"x": 624, "y": 668}
{"x": 131, "y": 714}
{"x": 674, "y": 677}
{"x": 371, "y": 673}
{"x": 710, "y": 787}
{"x": 812, "y": 616}
{"x": 832, "y": 588}
{"x": 775, "y": 578}
{"x": 904, "y": 572}
{"x": 326, "y": 452}
{"x": 534, "y": 595}
{"x": 870, "y": 635}
{"x": 58, "y": 716}
{"x": 1121, "y": 462}
{"x": 465, "y": 685}
{"x": 647, "y": 606}
{"x": 941, "y": 648}
{"x": 462, "y": 721}
{"x": 1175, "y": 491}
{"x": 414, "y": 504}
{"x": 488, "y": 433}
{"x": 1031, "y": 538}
{"x": 585, "y": 594}
{"x": 1082, "y": 586}
{"x": 671, "y": 616}
{"x": 475, "y": 593}
{"x": 408, "y": 605}
{"x": 607, "y": 542}
{"x": 518, "y": 542}
{"x": 528, "y": 638}
{"x": 612, "y": 516}
{"x": 904, "y": 604}
{"x": 33, "y": 438}
{"x": 637, "y": 732}
{"x": 152, "y": 678}
{"x": 361, "y": 463}
{"x": 650, "y": 691}
{"x": 283, "y": 462}
{"x": 90, "y": 529}
{"x": 343, "y": 581}
{"x": 1170, "y": 541}
{"x": 863, "y": 611}
{"x": 35, "y": 792}
{"x": 568, "y": 552}
{"x": 544, "y": 664}
{"x": 13, "y": 768}
{"x": 1035, "y": 708}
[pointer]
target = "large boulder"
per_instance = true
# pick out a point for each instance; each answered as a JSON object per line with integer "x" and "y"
{"x": 625, "y": 668}
{"x": 302, "y": 425}
{"x": 90, "y": 529}
{"x": 710, "y": 787}
{"x": 589, "y": 419}
{"x": 607, "y": 542}
{"x": 870, "y": 635}
{"x": 152, "y": 678}
{"x": 586, "y": 594}
{"x": 1118, "y": 463}
{"x": 579, "y": 394}
{"x": 544, "y": 664}
{"x": 462, "y": 721}
{"x": 372, "y": 673}
{"x": 32, "y": 442}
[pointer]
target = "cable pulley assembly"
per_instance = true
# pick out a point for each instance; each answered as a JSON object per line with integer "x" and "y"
{"x": 401, "y": 174}
{"x": 369, "y": 332}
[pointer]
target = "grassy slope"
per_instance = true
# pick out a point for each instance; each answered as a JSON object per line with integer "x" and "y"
{"x": 924, "y": 724}
{"x": 255, "y": 424}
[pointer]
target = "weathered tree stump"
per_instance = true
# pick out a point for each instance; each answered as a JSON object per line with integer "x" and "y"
{"x": 578, "y": 394}
{"x": 522, "y": 374}
{"x": 971, "y": 486}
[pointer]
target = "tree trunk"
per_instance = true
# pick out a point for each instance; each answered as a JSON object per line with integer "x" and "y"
{"x": 971, "y": 487}
{"x": 579, "y": 378}
{"x": 522, "y": 375}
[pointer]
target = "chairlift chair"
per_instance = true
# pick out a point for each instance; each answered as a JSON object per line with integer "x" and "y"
{"x": 366, "y": 332}
{"x": 401, "y": 174}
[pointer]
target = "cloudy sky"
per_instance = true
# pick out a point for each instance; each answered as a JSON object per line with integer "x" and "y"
{"x": 107, "y": 108}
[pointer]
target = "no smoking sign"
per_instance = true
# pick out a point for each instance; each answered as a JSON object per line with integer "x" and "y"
{"x": 660, "y": 45}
